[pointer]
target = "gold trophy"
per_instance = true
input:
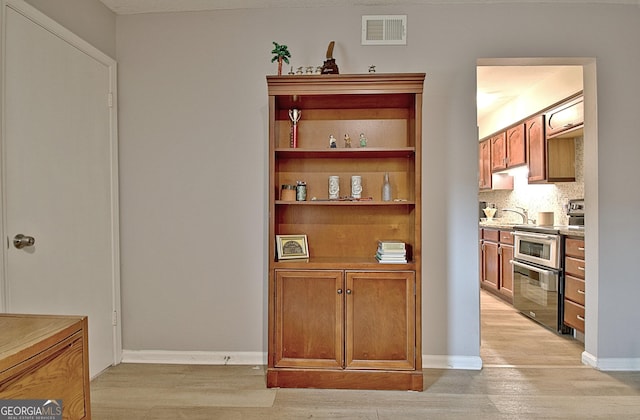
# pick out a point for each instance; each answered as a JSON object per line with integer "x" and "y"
{"x": 294, "y": 116}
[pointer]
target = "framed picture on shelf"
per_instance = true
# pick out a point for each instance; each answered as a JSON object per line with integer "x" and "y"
{"x": 292, "y": 247}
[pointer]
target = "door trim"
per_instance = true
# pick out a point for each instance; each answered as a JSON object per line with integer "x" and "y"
{"x": 29, "y": 12}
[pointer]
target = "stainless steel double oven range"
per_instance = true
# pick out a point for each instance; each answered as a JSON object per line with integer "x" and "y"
{"x": 538, "y": 282}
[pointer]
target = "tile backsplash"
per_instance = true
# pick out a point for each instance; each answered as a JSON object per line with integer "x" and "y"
{"x": 538, "y": 197}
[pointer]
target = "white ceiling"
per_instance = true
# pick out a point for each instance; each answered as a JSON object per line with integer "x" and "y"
{"x": 505, "y": 83}
{"x": 156, "y": 6}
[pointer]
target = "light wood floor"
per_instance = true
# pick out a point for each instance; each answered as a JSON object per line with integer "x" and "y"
{"x": 528, "y": 373}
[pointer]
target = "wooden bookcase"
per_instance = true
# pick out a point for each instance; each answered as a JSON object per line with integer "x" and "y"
{"x": 340, "y": 319}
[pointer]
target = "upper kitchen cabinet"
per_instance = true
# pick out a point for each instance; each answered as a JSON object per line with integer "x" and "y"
{"x": 484, "y": 156}
{"x": 544, "y": 141}
{"x": 566, "y": 118}
{"x": 498, "y": 144}
{"x": 487, "y": 179}
{"x": 536, "y": 148}
{"x": 508, "y": 149}
{"x": 516, "y": 149}
{"x": 551, "y": 144}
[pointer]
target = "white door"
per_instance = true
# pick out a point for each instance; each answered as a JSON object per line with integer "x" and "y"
{"x": 59, "y": 178}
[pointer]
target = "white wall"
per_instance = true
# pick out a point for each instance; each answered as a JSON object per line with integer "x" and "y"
{"x": 193, "y": 134}
{"x": 91, "y": 20}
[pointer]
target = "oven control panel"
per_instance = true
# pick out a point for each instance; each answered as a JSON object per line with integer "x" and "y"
{"x": 575, "y": 207}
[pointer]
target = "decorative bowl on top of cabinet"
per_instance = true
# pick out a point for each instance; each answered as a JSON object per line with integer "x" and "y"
{"x": 340, "y": 318}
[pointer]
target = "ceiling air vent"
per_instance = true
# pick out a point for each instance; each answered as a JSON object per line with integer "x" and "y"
{"x": 384, "y": 30}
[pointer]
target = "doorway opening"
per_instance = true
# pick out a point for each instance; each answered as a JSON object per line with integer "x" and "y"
{"x": 510, "y": 91}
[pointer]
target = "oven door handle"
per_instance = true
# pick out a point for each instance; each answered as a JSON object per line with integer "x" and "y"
{"x": 534, "y": 235}
{"x": 534, "y": 268}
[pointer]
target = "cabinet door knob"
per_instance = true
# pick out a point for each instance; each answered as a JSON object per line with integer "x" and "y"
{"x": 339, "y": 291}
{"x": 348, "y": 291}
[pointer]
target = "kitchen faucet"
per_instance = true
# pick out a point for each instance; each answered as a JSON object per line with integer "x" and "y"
{"x": 524, "y": 214}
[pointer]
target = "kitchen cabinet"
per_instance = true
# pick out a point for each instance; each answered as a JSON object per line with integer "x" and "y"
{"x": 545, "y": 142}
{"x": 496, "y": 250}
{"x": 550, "y": 159}
{"x": 516, "y": 147}
{"x": 508, "y": 148}
{"x": 339, "y": 318}
{"x": 498, "y": 151}
{"x": 484, "y": 156}
{"x": 487, "y": 179}
{"x": 505, "y": 251}
{"x": 574, "y": 299}
{"x": 46, "y": 357}
{"x": 537, "y": 149}
{"x": 490, "y": 259}
{"x": 565, "y": 118}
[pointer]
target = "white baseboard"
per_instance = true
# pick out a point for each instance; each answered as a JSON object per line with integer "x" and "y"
{"x": 452, "y": 362}
{"x": 194, "y": 357}
{"x": 611, "y": 364}
{"x": 259, "y": 358}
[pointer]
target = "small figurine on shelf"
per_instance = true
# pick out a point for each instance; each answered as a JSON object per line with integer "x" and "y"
{"x": 347, "y": 141}
{"x": 281, "y": 54}
{"x": 330, "y": 66}
{"x": 332, "y": 142}
{"x": 372, "y": 69}
{"x": 363, "y": 140}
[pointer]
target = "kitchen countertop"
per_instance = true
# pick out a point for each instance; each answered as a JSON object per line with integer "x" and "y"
{"x": 504, "y": 225}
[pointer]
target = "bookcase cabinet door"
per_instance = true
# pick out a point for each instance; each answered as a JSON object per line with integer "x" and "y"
{"x": 380, "y": 327}
{"x": 309, "y": 319}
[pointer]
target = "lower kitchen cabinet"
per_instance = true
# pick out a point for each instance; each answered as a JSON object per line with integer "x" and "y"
{"x": 505, "y": 251}
{"x": 574, "y": 298}
{"x": 496, "y": 274}
{"x": 345, "y": 329}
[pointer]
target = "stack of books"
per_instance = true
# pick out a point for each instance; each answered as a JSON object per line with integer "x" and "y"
{"x": 391, "y": 252}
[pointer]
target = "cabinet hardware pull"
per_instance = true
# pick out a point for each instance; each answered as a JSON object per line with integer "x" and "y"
{"x": 581, "y": 318}
{"x": 580, "y": 248}
{"x": 580, "y": 291}
{"x": 348, "y": 291}
{"x": 580, "y": 268}
{"x": 339, "y": 291}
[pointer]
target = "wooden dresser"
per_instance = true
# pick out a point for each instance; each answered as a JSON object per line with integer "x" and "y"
{"x": 46, "y": 357}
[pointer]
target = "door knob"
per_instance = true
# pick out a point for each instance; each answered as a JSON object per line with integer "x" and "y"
{"x": 20, "y": 241}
